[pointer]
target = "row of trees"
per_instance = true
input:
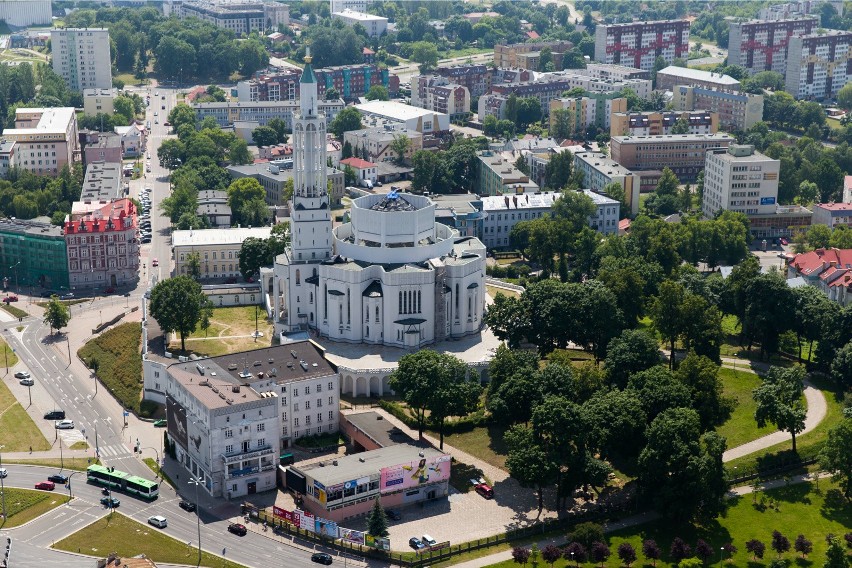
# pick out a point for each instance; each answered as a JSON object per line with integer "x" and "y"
{"x": 25, "y": 195}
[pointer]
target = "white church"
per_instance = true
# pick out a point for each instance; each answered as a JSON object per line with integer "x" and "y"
{"x": 391, "y": 276}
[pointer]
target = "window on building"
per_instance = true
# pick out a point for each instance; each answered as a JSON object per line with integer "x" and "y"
{"x": 229, "y": 433}
{"x": 261, "y": 427}
{"x": 229, "y": 449}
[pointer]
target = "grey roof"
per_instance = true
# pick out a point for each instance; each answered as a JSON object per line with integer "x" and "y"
{"x": 364, "y": 463}
{"x": 393, "y": 202}
{"x": 33, "y": 228}
{"x": 379, "y": 430}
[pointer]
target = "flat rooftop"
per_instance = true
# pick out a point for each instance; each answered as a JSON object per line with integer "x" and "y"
{"x": 378, "y": 429}
{"x": 365, "y": 463}
{"x": 30, "y": 227}
{"x": 673, "y": 138}
{"x": 699, "y": 75}
{"x": 231, "y": 236}
{"x": 52, "y": 121}
{"x": 525, "y": 201}
{"x": 392, "y": 109}
{"x": 603, "y": 163}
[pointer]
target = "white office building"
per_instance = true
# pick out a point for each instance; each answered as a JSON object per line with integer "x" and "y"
{"x": 375, "y": 25}
{"x": 740, "y": 179}
{"x": 82, "y": 57}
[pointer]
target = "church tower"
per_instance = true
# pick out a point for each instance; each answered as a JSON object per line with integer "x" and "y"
{"x": 310, "y": 215}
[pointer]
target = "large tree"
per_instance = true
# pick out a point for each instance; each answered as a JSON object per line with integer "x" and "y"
{"x": 836, "y": 456}
{"x": 242, "y": 193}
{"x": 176, "y": 304}
{"x": 346, "y": 120}
{"x": 56, "y": 315}
{"x": 632, "y": 351}
{"x": 779, "y": 400}
{"x": 254, "y": 253}
{"x": 528, "y": 461}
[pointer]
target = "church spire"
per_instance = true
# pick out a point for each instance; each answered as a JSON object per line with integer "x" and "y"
{"x": 308, "y": 88}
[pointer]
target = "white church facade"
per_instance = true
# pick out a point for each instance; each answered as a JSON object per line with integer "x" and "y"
{"x": 391, "y": 276}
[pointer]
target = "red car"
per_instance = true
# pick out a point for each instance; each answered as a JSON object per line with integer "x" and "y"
{"x": 46, "y": 485}
{"x": 10, "y": 298}
{"x": 110, "y": 290}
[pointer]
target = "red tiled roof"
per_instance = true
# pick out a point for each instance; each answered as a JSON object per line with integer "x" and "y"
{"x": 110, "y": 217}
{"x": 532, "y": 34}
{"x": 367, "y": 51}
{"x": 836, "y": 206}
{"x": 357, "y": 163}
{"x": 817, "y": 261}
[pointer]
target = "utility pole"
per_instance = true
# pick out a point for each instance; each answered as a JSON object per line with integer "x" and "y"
{"x": 2, "y": 486}
{"x": 196, "y": 481}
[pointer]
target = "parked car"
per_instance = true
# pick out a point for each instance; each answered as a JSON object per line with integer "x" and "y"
{"x": 109, "y": 290}
{"x": 110, "y": 502}
{"x": 10, "y": 298}
{"x": 161, "y": 423}
{"x": 155, "y": 262}
{"x": 415, "y": 543}
{"x": 65, "y": 425}
{"x": 45, "y": 485}
{"x": 27, "y": 382}
{"x": 158, "y": 521}
{"x": 3, "y": 472}
{"x": 47, "y": 294}
{"x": 237, "y": 529}
{"x": 481, "y": 487}
{"x": 428, "y": 540}
{"x": 785, "y": 242}
{"x": 187, "y": 505}
{"x": 393, "y": 515}
{"x": 145, "y": 240}
{"x": 321, "y": 558}
{"x": 58, "y": 478}
{"x": 22, "y": 375}
{"x": 55, "y": 415}
{"x": 67, "y": 296}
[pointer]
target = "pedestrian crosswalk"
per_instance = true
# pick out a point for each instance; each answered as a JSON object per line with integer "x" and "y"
{"x": 112, "y": 451}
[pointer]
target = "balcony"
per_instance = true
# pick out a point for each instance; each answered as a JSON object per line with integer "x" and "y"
{"x": 240, "y": 456}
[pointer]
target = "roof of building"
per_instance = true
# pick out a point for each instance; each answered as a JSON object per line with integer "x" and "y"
{"x": 629, "y": 24}
{"x": 51, "y": 121}
{"x": 741, "y": 153}
{"x": 836, "y": 207}
{"x": 6, "y": 146}
{"x": 101, "y": 216}
{"x": 393, "y": 202}
{"x": 381, "y": 431}
{"x": 603, "y": 164}
{"x": 104, "y": 140}
{"x": 231, "y": 236}
{"x": 365, "y": 463}
{"x": 673, "y": 138}
{"x": 450, "y": 205}
{"x": 395, "y": 110}
{"x": 100, "y": 92}
{"x": 816, "y": 261}
{"x": 824, "y": 33}
{"x": 357, "y": 163}
{"x": 699, "y": 75}
{"x": 29, "y": 227}
{"x": 525, "y": 201}
{"x": 360, "y": 16}
{"x": 102, "y": 182}
{"x": 599, "y": 198}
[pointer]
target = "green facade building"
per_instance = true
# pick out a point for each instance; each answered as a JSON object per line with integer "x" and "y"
{"x": 32, "y": 254}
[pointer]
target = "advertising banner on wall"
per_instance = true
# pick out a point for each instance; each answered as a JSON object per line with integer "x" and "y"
{"x": 324, "y": 527}
{"x": 176, "y": 421}
{"x": 306, "y": 521}
{"x": 351, "y": 535}
{"x": 319, "y": 491}
{"x": 414, "y": 474}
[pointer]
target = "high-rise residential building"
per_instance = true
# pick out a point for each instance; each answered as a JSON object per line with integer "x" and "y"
{"x": 25, "y": 13}
{"x": 672, "y": 75}
{"x": 350, "y": 81}
{"x": 736, "y": 110}
{"x": 761, "y": 45}
{"x": 819, "y": 64}
{"x": 740, "y": 179}
{"x": 81, "y": 56}
{"x": 46, "y": 139}
{"x": 796, "y": 9}
{"x": 683, "y": 153}
{"x": 638, "y": 44}
{"x": 591, "y": 109}
{"x": 437, "y": 93}
{"x": 477, "y": 77}
{"x": 241, "y": 17}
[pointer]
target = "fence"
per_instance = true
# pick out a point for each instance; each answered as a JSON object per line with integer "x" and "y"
{"x": 428, "y": 557}
{"x": 778, "y": 465}
{"x": 501, "y": 284}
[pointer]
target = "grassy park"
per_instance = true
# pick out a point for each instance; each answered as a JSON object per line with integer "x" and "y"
{"x": 24, "y": 505}
{"x": 19, "y": 432}
{"x": 230, "y": 331}
{"x": 120, "y": 534}
{"x": 119, "y": 364}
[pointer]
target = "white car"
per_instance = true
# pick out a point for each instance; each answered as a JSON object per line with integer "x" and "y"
{"x": 158, "y": 521}
{"x": 3, "y": 472}
{"x": 28, "y": 382}
{"x": 65, "y": 425}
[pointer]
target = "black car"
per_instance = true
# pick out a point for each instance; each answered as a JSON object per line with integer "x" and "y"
{"x": 58, "y": 478}
{"x": 55, "y": 415}
{"x": 238, "y": 529}
{"x": 47, "y": 294}
{"x": 393, "y": 515}
{"x": 321, "y": 558}
{"x": 187, "y": 505}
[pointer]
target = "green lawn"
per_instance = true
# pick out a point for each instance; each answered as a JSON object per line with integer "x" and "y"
{"x": 120, "y": 534}
{"x": 494, "y": 290}
{"x": 19, "y": 432}
{"x": 485, "y": 443}
{"x": 806, "y": 444}
{"x": 467, "y": 51}
{"x": 17, "y": 312}
{"x": 24, "y": 505}
{"x": 741, "y": 427}
{"x": 227, "y": 322}
{"x": 75, "y": 464}
{"x": 9, "y": 359}
{"x": 120, "y": 366}
{"x": 801, "y": 509}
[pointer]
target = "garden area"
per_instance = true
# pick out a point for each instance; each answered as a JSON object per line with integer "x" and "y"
{"x": 115, "y": 357}
{"x": 19, "y": 432}
{"x": 124, "y": 536}
{"x": 813, "y": 510}
{"x": 231, "y": 330}
{"x": 24, "y": 505}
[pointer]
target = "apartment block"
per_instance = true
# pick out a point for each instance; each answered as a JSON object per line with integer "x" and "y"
{"x": 32, "y": 253}
{"x": 613, "y": 72}
{"x": 737, "y": 111}
{"x": 227, "y": 113}
{"x": 498, "y": 176}
{"x": 436, "y": 93}
{"x": 833, "y": 214}
{"x": 377, "y": 142}
{"x": 375, "y": 25}
{"x": 761, "y": 45}
{"x": 819, "y": 64}
{"x": 350, "y": 81}
{"x": 7, "y": 157}
{"x": 638, "y": 44}
{"x": 46, "y": 139}
{"x": 476, "y": 77}
{"x": 103, "y": 249}
{"x": 670, "y": 76}
{"x": 684, "y": 154}
{"x": 592, "y": 109}
{"x": 579, "y": 78}
{"x": 100, "y": 147}
{"x": 82, "y": 57}
{"x": 797, "y": 9}
{"x": 653, "y": 123}
{"x": 97, "y": 101}
{"x": 241, "y": 17}
{"x": 520, "y": 55}
{"x": 740, "y": 179}
{"x": 502, "y": 213}
{"x": 600, "y": 171}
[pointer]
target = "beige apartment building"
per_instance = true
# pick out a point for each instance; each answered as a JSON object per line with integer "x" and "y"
{"x": 525, "y": 55}
{"x": 377, "y": 142}
{"x": 652, "y": 123}
{"x": 218, "y": 249}
{"x": 46, "y": 139}
{"x": 684, "y": 154}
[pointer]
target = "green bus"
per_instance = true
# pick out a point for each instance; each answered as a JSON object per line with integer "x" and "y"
{"x": 122, "y": 481}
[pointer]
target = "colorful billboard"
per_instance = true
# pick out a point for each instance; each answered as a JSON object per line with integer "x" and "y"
{"x": 324, "y": 527}
{"x": 351, "y": 535}
{"x": 415, "y": 474}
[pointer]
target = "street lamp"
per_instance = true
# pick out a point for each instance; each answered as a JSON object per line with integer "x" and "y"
{"x": 2, "y": 486}
{"x": 68, "y": 482}
{"x": 156, "y": 453}
{"x": 721, "y": 555}
{"x": 194, "y": 480}
{"x": 15, "y": 267}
